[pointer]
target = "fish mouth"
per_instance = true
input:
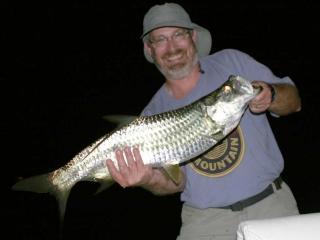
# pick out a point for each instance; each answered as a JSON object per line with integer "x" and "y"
{"x": 256, "y": 89}
{"x": 243, "y": 85}
{"x": 247, "y": 87}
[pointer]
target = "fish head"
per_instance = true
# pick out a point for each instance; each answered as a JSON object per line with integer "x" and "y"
{"x": 226, "y": 105}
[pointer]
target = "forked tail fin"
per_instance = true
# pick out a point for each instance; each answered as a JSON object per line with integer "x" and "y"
{"x": 42, "y": 184}
{"x": 38, "y": 184}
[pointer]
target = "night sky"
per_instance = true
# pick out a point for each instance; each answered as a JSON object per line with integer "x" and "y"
{"x": 65, "y": 65}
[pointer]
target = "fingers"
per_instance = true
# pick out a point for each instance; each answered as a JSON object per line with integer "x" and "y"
{"x": 120, "y": 174}
{"x": 115, "y": 174}
{"x": 130, "y": 158}
{"x": 259, "y": 107}
{"x": 122, "y": 164}
{"x": 130, "y": 167}
{"x": 263, "y": 100}
{"x": 138, "y": 157}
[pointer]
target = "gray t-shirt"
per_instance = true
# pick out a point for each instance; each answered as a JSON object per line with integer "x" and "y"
{"x": 245, "y": 162}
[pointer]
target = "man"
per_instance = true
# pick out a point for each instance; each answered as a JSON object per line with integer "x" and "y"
{"x": 238, "y": 179}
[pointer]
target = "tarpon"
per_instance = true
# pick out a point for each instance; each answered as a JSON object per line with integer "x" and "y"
{"x": 165, "y": 140}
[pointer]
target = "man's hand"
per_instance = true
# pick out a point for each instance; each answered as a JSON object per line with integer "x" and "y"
{"x": 132, "y": 171}
{"x": 263, "y": 100}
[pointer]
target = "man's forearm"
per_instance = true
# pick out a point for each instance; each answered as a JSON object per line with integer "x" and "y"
{"x": 161, "y": 184}
{"x": 286, "y": 101}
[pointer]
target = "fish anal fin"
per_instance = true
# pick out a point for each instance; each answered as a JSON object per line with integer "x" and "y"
{"x": 104, "y": 184}
{"x": 173, "y": 172}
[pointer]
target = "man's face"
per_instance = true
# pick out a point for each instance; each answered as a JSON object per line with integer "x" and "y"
{"x": 173, "y": 51}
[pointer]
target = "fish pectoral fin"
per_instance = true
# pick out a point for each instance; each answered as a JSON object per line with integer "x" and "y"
{"x": 218, "y": 135}
{"x": 104, "y": 184}
{"x": 173, "y": 172}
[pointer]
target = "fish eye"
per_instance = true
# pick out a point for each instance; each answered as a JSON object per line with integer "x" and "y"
{"x": 227, "y": 89}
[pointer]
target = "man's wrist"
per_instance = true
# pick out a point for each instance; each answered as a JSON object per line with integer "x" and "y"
{"x": 273, "y": 92}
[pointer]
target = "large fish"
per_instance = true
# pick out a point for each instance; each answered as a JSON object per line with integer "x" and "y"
{"x": 165, "y": 140}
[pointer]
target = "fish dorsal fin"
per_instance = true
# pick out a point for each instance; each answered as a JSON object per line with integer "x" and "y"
{"x": 173, "y": 172}
{"x": 120, "y": 120}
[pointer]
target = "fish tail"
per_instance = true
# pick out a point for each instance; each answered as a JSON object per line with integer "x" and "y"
{"x": 42, "y": 184}
{"x": 38, "y": 184}
{"x": 62, "y": 199}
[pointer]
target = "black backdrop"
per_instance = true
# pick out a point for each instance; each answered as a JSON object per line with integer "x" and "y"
{"x": 66, "y": 64}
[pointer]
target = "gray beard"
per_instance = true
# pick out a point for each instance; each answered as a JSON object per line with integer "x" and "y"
{"x": 177, "y": 74}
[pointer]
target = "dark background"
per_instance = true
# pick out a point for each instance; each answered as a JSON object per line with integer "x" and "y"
{"x": 66, "y": 64}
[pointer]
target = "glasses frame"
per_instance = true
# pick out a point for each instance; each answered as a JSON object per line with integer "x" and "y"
{"x": 177, "y": 36}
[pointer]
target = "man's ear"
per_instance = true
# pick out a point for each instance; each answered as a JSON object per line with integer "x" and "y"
{"x": 194, "y": 35}
{"x": 147, "y": 49}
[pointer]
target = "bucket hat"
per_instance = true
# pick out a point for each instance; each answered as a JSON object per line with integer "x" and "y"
{"x": 173, "y": 15}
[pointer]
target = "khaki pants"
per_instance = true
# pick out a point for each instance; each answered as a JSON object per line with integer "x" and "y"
{"x": 222, "y": 224}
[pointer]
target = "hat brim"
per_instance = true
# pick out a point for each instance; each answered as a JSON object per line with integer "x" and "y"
{"x": 203, "y": 41}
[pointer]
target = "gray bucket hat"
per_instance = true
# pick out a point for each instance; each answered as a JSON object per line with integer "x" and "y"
{"x": 173, "y": 15}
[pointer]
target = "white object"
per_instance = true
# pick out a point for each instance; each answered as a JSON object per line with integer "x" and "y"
{"x": 298, "y": 227}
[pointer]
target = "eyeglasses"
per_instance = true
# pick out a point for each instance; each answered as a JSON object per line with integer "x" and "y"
{"x": 162, "y": 40}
